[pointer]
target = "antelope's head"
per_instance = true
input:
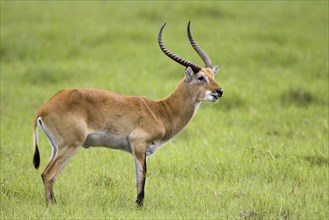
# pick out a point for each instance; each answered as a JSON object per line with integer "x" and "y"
{"x": 201, "y": 81}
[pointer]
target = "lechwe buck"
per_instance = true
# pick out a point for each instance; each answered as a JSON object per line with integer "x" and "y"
{"x": 75, "y": 118}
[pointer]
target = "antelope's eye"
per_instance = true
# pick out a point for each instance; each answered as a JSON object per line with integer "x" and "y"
{"x": 201, "y": 78}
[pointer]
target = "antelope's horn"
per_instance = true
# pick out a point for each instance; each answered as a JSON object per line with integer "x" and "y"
{"x": 196, "y": 68}
{"x": 202, "y": 54}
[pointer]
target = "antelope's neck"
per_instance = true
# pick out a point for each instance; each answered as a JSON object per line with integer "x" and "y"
{"x": 179, "y": 109}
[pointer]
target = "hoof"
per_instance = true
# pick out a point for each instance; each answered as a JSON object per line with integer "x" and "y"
{"x": 140, "y": 202}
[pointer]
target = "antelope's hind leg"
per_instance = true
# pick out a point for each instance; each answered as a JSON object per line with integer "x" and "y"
{"x": 55, "y": 166}
{"x": 65, "y": 142}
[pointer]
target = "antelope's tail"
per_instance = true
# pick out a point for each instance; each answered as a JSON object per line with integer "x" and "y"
{"x": 36, "y": 157}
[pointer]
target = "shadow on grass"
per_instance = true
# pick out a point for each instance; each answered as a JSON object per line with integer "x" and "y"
{"x": 298, "y": 97}
{"x": 317, "y": 160}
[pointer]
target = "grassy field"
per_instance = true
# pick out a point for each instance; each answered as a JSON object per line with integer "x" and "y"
{"x": 259, "y": 153}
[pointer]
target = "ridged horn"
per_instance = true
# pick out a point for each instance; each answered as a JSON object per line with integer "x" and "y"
{"x": 202, "y": 54}
{"x": 196, "y": 68}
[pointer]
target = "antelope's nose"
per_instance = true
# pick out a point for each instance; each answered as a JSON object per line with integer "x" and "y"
{"x": 219, "y": 92}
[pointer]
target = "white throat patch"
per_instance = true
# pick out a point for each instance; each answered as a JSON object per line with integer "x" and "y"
{"x": 196, "y": 108}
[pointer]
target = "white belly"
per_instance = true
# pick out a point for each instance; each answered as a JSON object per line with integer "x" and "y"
{"x": 106, "y": 139}
{"x": 114, "y": 141}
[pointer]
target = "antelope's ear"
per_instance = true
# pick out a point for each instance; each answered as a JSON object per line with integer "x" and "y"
{"x": 215, "y": 69}
{"x": 189, "y": 74}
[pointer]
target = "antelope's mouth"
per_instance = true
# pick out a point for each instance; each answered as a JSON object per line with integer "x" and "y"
{"x": 214, "y": 97}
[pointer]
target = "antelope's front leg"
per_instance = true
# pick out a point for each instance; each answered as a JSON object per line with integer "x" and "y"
{"x": 140, "y": 167}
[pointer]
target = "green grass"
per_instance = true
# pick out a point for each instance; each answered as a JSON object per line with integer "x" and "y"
{"x": 260, "y": 153}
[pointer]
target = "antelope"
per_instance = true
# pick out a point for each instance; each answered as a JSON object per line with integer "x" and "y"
{"x": 87, "y": 117}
